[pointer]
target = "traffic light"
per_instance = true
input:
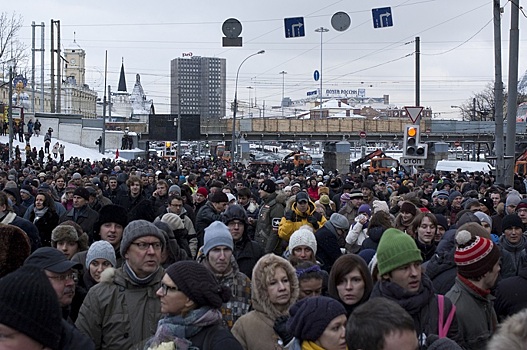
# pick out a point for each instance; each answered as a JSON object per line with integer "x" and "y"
{"x": 412, "y": 146}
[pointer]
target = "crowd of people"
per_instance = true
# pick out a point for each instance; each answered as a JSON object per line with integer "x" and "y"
{"x": 138, "y": 255}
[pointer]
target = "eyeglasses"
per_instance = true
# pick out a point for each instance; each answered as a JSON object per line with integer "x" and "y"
{"x": 235, "y": 223}
{"x": 166, "y": 288}
{"x": 65, "y": 277}
{"x": 145, "y": 245}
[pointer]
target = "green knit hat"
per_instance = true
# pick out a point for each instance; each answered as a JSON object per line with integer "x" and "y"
{"x": 396, "y": 249}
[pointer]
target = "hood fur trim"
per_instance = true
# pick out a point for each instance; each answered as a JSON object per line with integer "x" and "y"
{"x": 260, "y": 298}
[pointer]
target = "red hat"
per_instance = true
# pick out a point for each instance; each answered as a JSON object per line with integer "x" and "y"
{"x": 475, "y": 256}
{"x": 228, "y": 174}
{"x": 203, "y": 191}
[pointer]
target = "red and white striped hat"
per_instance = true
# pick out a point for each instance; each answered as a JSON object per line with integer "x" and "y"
{"x": 475, "y": 256}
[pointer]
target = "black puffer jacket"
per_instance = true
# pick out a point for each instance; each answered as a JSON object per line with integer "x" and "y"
{"x": 374, "y": 237}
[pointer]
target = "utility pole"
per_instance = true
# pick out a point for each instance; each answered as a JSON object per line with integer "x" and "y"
{"x": 52, "y": 92}
{"x": 283, "y": 88}
{"x": 59, "y": 66}
{"x": 512, "y": 98}
{"x": 33, "y": 51}
{"x": 10, "y": 110}
{"x": 417, "y": 74}
{"x": 103, "y": 136}
{"x": 321, "y": 30}
{"x": 498, "y": 94}
{"x": 178, "y": 158}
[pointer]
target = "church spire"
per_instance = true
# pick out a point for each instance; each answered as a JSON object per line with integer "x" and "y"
{"x": 122, "y": 79}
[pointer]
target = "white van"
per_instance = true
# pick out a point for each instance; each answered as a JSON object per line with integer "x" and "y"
{"x": 465, "y": 166}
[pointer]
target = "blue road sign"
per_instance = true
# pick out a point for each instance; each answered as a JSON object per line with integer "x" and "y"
{"x": 294, "y": 27}
{"x": 382, "y": 17}
{"x": 316, "y": 75}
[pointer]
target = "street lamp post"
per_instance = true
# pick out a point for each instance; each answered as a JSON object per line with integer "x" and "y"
{"x": 233, "y": 144}
{"x": 11, "y": 64}
{"x": 283, "y": 88}
{"x": 321, "y": 30}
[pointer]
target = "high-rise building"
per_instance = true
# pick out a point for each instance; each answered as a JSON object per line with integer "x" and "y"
{"x": 199, "y": 84}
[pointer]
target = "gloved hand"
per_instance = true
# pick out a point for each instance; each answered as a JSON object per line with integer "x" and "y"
{"x": 290, "y": 215}
{"x": 313, "y": 221}
{"x": 281, "y": 329}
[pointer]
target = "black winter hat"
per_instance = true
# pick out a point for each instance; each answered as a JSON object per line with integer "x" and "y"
{"x": 82, "y": 192}
{"x": 310, "y": 317}
{"x": 234, "y": 212}
{"x": 198, "y": 284}
{"x": 268, "y": 186}
{"x": 29, "y": 305}
{"x": 112, "y": 213}
{"x": 511, "y": 220}
{"x": 218, "y": 197}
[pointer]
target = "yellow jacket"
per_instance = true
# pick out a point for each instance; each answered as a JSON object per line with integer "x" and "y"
{"x": 294, "y": 219}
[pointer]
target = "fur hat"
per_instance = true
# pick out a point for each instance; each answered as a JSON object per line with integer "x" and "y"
{"x": 396, "y": 249}
{"x": 323, "y": 190}
{"x": 101, "y": 250}
{"x": 303, "y": 236}
{"x": 474, "y": 256}
{"x": 217, "y": 234}
{"x": 68, "y": 233}
{"x": 310, "y": 317}
{"x": 173, "y": 220}
{"x": 137, "y": 229}
{"x": 268, "y": 186}
{"x": 29, "y": 305}
{"x": 82, "y": 192}
{"x": 112, "y": 213}
{"x": 379, "y": 205}
{"x": 198, "y": 284}
{"x": 14, "y": 248}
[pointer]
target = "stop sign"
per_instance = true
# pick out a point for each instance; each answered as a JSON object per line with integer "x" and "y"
{"x": 457, "y": 143}
{"x": 362, "y": 134}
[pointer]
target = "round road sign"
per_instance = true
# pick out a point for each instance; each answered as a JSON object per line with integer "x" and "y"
{"x": 316, "y": 75}
{"x": 362, "y": 134}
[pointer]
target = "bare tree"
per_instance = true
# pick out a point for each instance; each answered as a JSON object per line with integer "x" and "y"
{"x": 481, "y": 105}
{"x": 11, "y": 48}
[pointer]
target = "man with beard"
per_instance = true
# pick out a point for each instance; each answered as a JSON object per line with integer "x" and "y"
{"x": 478, "y": 267}
{"x": 402, "y": 280}
{"x": 217, "y": 257}
{"x": 60, "y": 272}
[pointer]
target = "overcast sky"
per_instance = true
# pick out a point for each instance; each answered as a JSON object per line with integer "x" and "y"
{"x": 457, "y": 57}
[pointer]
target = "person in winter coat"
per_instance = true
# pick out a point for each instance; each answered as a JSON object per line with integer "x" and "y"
{"x": 510, "y": 294}
{"x": 44, "y": 217}
{"x": 478, "y": 267}
{"x": 399, "y": 263}
{"x": 403, "y": 220}
{"x": 8, "y": 217}
{"x": 329, "y": 240}
{"x": 81, "y": 213}
{"x": 55, "y": 150}
{"x": 209, "y": 213}
{"x": 69, "y": 239}
{"x": 131, "y": 199}
{"x": 512, "y": 245}
{"x": 217, "y": 256}
{"x": 123, "y": 310}
{"x": 274, "y": 288}
{"x": 425, "y": 227}
{"x": 350, "y": 282}
{"x": 302, "y": 213}
{"x": 246, "y": 252}
{"x": 271, "y": 212}
{"x": 359, "y": 231}
{"x": 99, "y": 258}
{"x": 318, "y": 323}
{"x": 379, "y": 222}
{"x": 30, "y": 316}
{"x": 311, "y": 279}
{"x": 190, "y": 300}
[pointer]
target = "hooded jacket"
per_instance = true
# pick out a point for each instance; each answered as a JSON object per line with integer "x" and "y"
{"x": 118, "y": 313}
{"x": 294, "y": 219}
{"x": 255, "y": 330}
{"x": 328, "y": 249}
{"x": 271, "y": 211}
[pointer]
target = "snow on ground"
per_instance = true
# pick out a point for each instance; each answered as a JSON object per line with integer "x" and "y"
{"x": 70, "y": 150}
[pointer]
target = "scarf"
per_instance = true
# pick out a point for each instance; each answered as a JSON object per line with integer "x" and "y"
{"x": 179, "y": 329}
{"x": 476, "y": 289}
{"x": 139, "y": 281}
{"x": 310, "y": 345}
{"x": 39, "y": 213}
{"x": 411, "y": 302}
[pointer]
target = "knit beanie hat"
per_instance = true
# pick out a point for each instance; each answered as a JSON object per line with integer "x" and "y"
{"x": 396, "y": 249}
{"x": 198, "y": 283}
{"x": 203, "y": 191}
{"x": 217, "y": 234}
{"x": 101, "y": 250}
{"x": 112, "y": 213}
{"x": 453, "y": 196}
{"x": 218, "y": 197}
{"x": 356, "y": 194}
{"x": 442, "y": 194}
{"x": 513, "y": 198}
{"x": 442, "y": 221}
{"x": 344, "y": 199}
{"x": 474, "y": 256}
{"x": 268, "y": 186}
{"x": 483, "y": 217}
{"x": 365, "y": 208}
{"x": 82, "y": 192}
{"x": 324, "y": 199}
{"x": 408, "y": 207}
{"x": 173, "y": 220}
{"x": 511, "y": 220}
{"x": 137, "y": 229}
{"x": 522, "y": 204}
{"x": 175, "y": 188}
{"x": 471, "y": 202}
{"x": 309, "y": 317}
{"x": 303, "y": 236}
{"x": 14, "y": 248}
{"x": 29, "y": 305}
{"x": 380, "y": 206}
{"x": 339, "y": 221}
{"x": 475, "y": 229}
